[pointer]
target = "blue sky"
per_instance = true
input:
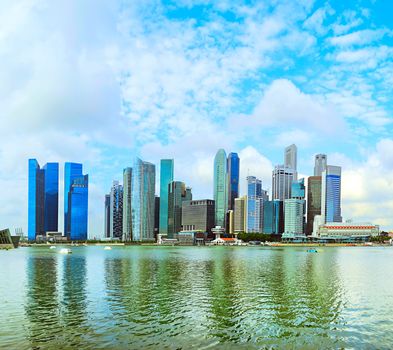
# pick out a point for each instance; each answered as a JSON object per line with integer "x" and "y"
{"x": 101, "y": 82}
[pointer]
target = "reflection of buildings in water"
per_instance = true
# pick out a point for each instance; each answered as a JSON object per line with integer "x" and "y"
{"x": 42, "y": 301}
{"x": 74, "y": 291}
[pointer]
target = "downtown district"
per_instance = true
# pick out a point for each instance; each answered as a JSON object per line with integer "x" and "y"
{"x": 134, "y": 213}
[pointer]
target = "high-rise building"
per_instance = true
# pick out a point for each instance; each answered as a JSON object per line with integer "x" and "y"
{"x": 36, "y": 200}
{"x": 43, "y": 199}
{"x": 166, "y": 177}
{"x": 290, "y": 159}
{"x": 177, "y": 194}
{"x": 254, "y": 202}
{"x": 71, "y": 172}
{"x": 298, "y": 190}
{"x": 107, "y": 216}
{"x": 313, "y": 201}
{"x": 220, "y": 187}
{"x": 51, "y": 197}
{"x": 282, "y": 182}
{"x": 156, "y": 216}
{"x": 331, "y": 194}
{"x": 320, "y": 164}
{"x": 273, "y": 217}
{"x": 116, "y": 210}
{"x": 240, "y": 215}
{"x": 143, "y": 200}
{"x": 198, "y": 215}
{"x": 78, "y": 208}
{"x": 233, "y": 167}
{"x": 294, "y": 216}
{"x": 127, "y": 212}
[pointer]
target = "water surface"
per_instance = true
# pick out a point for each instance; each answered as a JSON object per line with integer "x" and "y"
{"x": 196, "y": 297}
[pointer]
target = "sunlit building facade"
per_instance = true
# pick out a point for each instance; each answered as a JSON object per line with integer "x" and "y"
{"x": 220, "y": 187}
{"x": 127, "y": 212}
{"x": 143, "y": 200}
{"x": 166, "y": 177}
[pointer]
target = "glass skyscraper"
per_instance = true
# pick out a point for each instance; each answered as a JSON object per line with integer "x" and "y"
{"x": 220, "y": 187}
{"x": 43, "y": 198}
{"x": 313, "y": 201}
{"x": 143, "y": 200}
{"x": 331, "y": 190}
{"x": 127, "y": 212}
{"x": 233, "y": 166}
{"x": 273, "y": 217}
{"x": 254, "y": 198}
{"x": 116, "y": 210}
{"x": 166, "y": 177}
{"x": 76, "y": 189}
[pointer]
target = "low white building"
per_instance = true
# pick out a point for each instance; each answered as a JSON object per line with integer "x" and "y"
{"x": 340, "y": 231}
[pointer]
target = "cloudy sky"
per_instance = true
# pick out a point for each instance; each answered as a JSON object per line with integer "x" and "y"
{"x": 101, "y": 82}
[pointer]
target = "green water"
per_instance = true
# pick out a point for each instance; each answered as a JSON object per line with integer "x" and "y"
{"x": 191, "y": 297}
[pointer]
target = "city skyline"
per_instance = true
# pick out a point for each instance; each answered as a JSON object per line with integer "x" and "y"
{"x": 125, "y": 81}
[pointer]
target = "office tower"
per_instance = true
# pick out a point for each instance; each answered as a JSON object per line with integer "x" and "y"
{"x": 282, "y": 182}
{"x": 36, "y": 200}
{"x": 273, "y": 217}
{"x": 298, "y": 190}
{"x": 127, "y": 212}
{"x": 294, "y": 216}
{"x": 198, "y": 215}
{"x": 43, "y": 198}
{"x": 331, "y": 194}
{"x": 220, "y": 187}
{"x": 320, "y": 164}
{"x": 290, "y": 159}
{"x": 143, "y": 200}
{"x": 107, "y": 216}
{"x": 76, "y": 192}
{"x": 71, "y": 172}
{"x": 116, "y": 210}
{"x": 240, "y": 215}
{"x": 233, "y": 167}
{"x": 166, "y": 177}
{"x": 254, "y": 202}
{"x": 177, "y": 194}
{"x": 229, "y": 224}
{"x": 51, "y": 197}
{"x": 313, "y": 201}
{"x": 156, "y": 216}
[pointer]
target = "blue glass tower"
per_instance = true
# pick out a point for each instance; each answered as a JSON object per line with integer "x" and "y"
{"x": 254, "y": 196}
{"x": 43, "y": 198}
{"x": 333, "y": 193}
{"x": 166, "y": 177}
{"x": 233, "y": 166}
{"x": 76, "y": 189}
{"x": 273, "y": 217}
{"x": 51, "y": 197}
{"x": 298, "y": 189}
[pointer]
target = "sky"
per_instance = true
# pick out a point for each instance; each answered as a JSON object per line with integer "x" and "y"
{"x": 101, "y": 82}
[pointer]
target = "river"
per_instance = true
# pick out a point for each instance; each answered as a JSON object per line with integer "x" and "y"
{"x": 196, "y": 298}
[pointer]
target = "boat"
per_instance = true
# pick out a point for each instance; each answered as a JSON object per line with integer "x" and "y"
{"x": 52, "y": 247}
{"x": 312, "y": 250}
{"x": 107, "y": 248}
{"x": 65, "y": 251}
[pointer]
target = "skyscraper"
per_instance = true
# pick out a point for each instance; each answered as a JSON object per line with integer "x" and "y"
{"x": 76, "y": 193}
{"x": 198, "y": 215}
{"x": 240, "y": 215}
{"x": 177, "y": 194}
{"x": 156, "y": 216}
{"x": 282, "y": 182}
{"x": 107, "y": 216}
{"x": 313, "y": 201}
{"x": 331, "y": 194}
{"x": 51, "y": 197}
{"x": 294, "y": 214}
{"x": 233, "y": 166}
{"x": 298, "y": 190}
{"x": 220, "y": 187}
{"x": 166, "y": 177}
{"x": 127, "y": 212}
{"x": 290, "y": 159}
{"x": 43, "y": 198}
{"x": 36, "y": 200}
{"x": 254, "y": 197}
{"x": 143, "y": 200}
{"x": 116, "y": 210}
{"x": 320, "y": 164}
{"x": 273, "y": 217}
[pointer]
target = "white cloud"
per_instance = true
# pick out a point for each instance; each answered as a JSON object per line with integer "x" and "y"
{"x": 360, "y": 37}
